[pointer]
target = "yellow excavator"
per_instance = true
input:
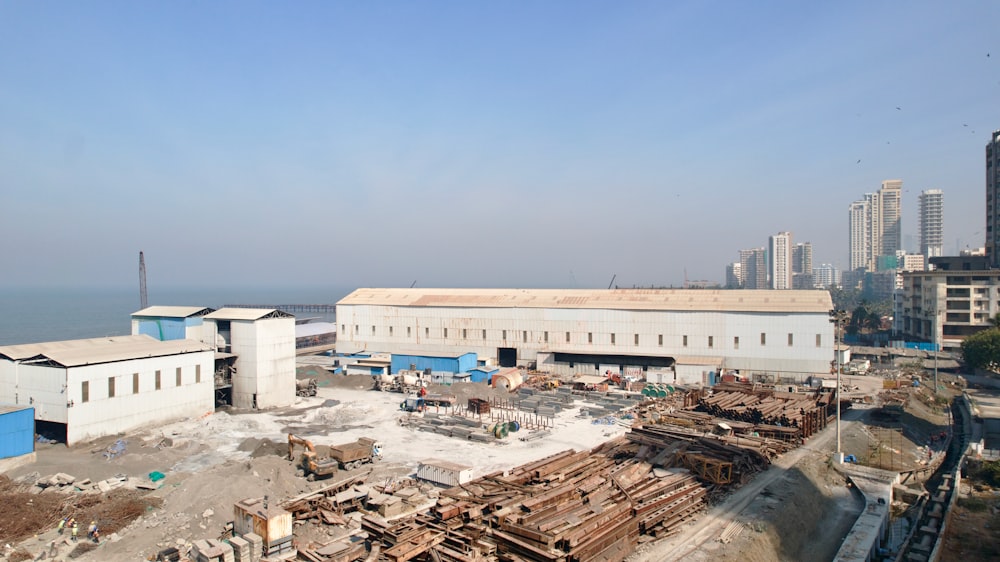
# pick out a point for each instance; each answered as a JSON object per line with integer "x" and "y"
{"x": 310, "y": 464}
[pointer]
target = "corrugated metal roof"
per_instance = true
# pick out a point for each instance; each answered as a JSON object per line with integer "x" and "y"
{"x": 589, "y": 379}
{"x": 8, "y": 408}
{"x": 73, "y": 353}
{"x": 696, "y": 360}
{"x": 314, "y": 329}
{"x": 247, "y": 314}
{"x": 446, "y": 465}
{"x": 433, "y": 354}
{"x": 174, "y": 311}
{"x": 612, "y": 299}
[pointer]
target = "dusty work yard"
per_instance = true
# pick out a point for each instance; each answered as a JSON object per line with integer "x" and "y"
{"x": 212, "y": 462}
{"x": 799, "y": 509}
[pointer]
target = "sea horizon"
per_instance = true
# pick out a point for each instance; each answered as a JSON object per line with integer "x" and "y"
{"x": 43, "y": 314}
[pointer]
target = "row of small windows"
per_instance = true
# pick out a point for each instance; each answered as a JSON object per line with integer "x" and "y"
{"x": 590, "y": 336}
{"x": 157, "y": 383}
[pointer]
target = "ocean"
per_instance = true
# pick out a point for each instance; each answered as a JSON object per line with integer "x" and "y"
{"x": 31, "y": 315}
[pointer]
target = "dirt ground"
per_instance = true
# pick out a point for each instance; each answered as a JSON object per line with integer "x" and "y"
{"x": 799, "y": 509}
{"x": 974, "y": 524}
{"x": 213, "y": 462}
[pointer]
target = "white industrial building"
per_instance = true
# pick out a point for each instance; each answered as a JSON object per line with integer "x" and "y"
{"x": 262, "y": 341}
{"x": 103, "y": 386}
{"x": 255, "y": 349}
{"x": 671, "y": 334}
{"x": 170, "y": 322}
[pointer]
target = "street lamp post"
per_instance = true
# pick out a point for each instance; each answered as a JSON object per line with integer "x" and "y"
{"x": 837, "y": 316}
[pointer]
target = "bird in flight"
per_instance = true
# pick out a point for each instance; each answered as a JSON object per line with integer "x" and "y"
{"x": 899, "y": 108}
{"x": 859, "y": 160}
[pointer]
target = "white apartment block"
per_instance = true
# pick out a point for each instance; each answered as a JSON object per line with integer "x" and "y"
{"x": 931, "y": 223}
{"x": 780, "y": 260}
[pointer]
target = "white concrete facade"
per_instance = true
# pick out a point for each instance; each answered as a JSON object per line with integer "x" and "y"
{"x": 264, "y": 344}
{"x": 944, "y": 307}
{"x": 148, "y": 382}
{"x": 785, "y": 334}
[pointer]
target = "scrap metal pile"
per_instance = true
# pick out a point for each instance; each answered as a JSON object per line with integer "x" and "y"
{"x": 571, "y": 506}
{"x": 719, "y": 459}
{"x": 770, "y": 409}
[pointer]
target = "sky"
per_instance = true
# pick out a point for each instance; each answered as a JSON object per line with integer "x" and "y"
{"x": 463, "y": 144}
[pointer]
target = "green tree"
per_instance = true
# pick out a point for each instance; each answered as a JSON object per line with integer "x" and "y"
{"x": 995, "y": 321}
{"x": 982, "y": 349}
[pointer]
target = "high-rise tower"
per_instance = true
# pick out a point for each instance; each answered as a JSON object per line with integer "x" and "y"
{"x": 876, "y": 225}
{"x": 891, "y": 196}
{"x": 993, "y": 200}
{"x": 931, "y": 223}
{"x": 780, "y": 260}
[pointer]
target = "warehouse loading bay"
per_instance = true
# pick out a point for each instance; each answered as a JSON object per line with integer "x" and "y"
{"x": 550, "y": 471}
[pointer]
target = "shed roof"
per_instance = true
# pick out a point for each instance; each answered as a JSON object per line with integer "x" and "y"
{"x": 613, "y": 299}
{"x": 74, "y": 353}
{"x": 174, "y": 311}
{"x": 433, "y": 354}
{"x": 314, "y": 329}
{"x": 589, "y": 379}
{"x": 234, "y": 313}
{"x": 9, "y": 408}
{"x": 446, "y": 465}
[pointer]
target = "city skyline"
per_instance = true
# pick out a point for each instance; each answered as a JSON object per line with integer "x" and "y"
{"x": 560, "y": 144}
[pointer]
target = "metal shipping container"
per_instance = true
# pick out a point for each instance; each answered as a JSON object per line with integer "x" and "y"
{"x": 17, "y": 431}
{"x": 444, "y": 472}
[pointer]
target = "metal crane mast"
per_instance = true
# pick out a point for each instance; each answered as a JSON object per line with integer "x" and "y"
{"x": 143, "y": 300}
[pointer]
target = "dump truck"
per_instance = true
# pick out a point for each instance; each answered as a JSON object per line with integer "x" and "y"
{"x": 352, "y": 455}
{"x": 310, "y": 464}
{"x": 305, "y": 387}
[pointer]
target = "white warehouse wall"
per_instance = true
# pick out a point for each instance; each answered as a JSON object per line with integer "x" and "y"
{"x": 534, "y": 330}
{"x": 265, "y": 363}
{"x": 57, "y": 393}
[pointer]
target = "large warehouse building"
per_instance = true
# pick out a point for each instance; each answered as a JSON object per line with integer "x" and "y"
{"x": 669, "y": 334}
{"x": 103, "y": 386}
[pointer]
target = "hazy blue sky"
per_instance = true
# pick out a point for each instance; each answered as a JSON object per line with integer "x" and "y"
{"x": 525, "y": 144}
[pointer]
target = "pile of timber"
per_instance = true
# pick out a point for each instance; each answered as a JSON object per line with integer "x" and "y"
{"x": 785, "y": 409}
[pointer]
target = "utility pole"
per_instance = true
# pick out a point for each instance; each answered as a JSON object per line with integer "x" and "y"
{"x": 837, "y": 317}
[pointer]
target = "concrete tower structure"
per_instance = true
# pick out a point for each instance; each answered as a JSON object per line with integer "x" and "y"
{"x": 876, "y": 226}
{"x": 780, "y": 262}
{"x": 861, "y": 233}
{"x": 931, "y": 223}
{"x": 993, "y": 200}
{"x": 891, "y": 208}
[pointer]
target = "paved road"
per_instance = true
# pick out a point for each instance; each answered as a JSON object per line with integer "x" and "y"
{"x": 710, "y": 526}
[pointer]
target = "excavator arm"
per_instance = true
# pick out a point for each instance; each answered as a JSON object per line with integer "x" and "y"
{"x": 293, "y": 441}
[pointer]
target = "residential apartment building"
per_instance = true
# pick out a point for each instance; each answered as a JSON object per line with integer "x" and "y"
{"x": 875, "y": 225}
{"x": 826, "y": 275}
{"x": 780, "y": 262}
{"x": 948, "y": 304}
{"x": 753, "y": 268}
{"x": 993, "y": 200}
{"x": 931, "y": 223}
{"x": 802, "y": 258}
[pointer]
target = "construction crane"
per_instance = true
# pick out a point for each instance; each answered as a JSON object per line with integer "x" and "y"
{"x": 143, "y": 299}
{"x": 612, "y": 280}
